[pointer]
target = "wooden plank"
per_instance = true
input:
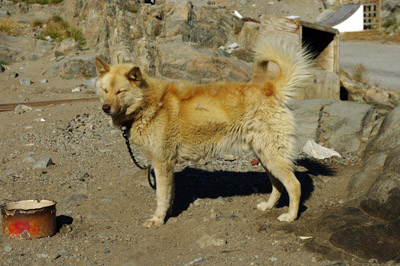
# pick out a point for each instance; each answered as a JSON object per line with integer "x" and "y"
{"x": 319, "y": 27}
{"x": 326, "y": 85}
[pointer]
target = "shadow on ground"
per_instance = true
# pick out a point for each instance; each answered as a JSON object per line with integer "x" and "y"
{"x": 192, "y": 184}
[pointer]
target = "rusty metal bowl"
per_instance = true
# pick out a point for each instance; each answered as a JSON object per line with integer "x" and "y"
{"x": 29, "y": 219}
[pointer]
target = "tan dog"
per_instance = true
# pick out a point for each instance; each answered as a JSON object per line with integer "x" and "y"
{"x": 175, "y": 121}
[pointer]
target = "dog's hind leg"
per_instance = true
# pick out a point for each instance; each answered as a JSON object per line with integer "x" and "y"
{"x": 165, "y": 193}
{"x": 281, "y": 173}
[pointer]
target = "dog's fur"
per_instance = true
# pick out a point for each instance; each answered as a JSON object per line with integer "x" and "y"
{"x": 174, "y": 121}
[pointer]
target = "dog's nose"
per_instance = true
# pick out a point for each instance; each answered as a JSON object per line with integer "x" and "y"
{"x": 106, "y": 108}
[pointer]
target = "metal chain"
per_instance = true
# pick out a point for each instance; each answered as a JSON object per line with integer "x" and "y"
{"x": 150, "y": 172}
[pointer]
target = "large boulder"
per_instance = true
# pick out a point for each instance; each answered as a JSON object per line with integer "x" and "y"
{"x": 80, "y": 66}
{"x": 174, "y": 40}
{"x": 328, "y": 122}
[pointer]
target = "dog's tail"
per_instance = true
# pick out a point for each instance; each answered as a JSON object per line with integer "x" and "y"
{"x": 294, "y": 62}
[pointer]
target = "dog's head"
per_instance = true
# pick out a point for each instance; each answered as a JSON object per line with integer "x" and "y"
{"x": 122, "y": 89}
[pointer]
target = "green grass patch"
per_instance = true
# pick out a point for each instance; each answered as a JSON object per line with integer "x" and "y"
{"x": 360, "y": 73}
{"x": 58, "y": 29}
{"x": 9, "y": 26}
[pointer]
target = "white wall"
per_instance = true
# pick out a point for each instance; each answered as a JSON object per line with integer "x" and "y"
{"x": 354, "y": 23}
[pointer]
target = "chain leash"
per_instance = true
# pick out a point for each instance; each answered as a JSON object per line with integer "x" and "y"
{"x": 150, "y": 172}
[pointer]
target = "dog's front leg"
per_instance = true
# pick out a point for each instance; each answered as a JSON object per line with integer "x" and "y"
{"x": 165, "y": 193}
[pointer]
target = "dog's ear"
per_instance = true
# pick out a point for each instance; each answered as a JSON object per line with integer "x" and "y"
{"x": 135, "y": 75}
{"x": 101, "y": 67}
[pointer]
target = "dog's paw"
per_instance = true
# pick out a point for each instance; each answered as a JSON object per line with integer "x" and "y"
{"x": 286, "y": 217}
{"x": 263, "y": 206}
{"x": 153, "y": 222}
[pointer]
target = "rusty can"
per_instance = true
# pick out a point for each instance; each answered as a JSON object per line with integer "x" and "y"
{"x": 29, "y": 219}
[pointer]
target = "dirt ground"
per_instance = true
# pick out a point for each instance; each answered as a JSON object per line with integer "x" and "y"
{"x": 103, "y": 199}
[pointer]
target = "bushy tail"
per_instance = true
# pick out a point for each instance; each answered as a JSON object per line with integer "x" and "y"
{"x": 294, "y": 62}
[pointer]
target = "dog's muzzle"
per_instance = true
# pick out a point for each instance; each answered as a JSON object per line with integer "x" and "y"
{"x": 106, "y": 108}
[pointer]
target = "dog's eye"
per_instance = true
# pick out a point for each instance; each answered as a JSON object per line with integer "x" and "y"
{"x": 105, "y": 91}
{"x": 120, "y": 91}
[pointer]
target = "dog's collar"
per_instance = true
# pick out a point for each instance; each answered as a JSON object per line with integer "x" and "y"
{"x": 126, "y": 126}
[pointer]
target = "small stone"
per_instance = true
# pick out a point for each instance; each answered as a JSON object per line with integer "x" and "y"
{"x": 173, "y": 220}
{"x": 48, "y": 38}
{"x": 221, "y": 200}
{"x": 229, "y": 157}
{"x": 254, "y": 162}
{"x": 106, "y": 251}
{"x": 42, "y": 256}
{"x": 77, "y": 89}
{"x": 233, "y": 46}
{"x": 25, "y": 82}
{"x": 74, "y": 198}
{"x": 2, "y": 69}
{"x": 43, "y": 163}
{"x": 20, "y": 108}
{"x": 13, "y": 74}
{"x": 196, "y": 261}
{"x": 7, "y": 248}
{"x": 207, "y": 240}
{"x": 29, "y": 159}
{"x": 43, "y": 81}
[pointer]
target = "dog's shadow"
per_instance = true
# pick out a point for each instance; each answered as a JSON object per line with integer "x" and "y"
{"x": 192, "y": 184}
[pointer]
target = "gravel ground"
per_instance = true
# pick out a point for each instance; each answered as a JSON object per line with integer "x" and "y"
{"x": 103, "y": 200}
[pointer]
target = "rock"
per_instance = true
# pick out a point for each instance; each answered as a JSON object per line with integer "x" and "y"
{"x": 307, "y": 116}
{"x": 42, "y": 256}
{"x": 383, "y": 197}
{"x": 381, "y": 98}
{"x": 13, "y": 74}
{"x": 314, "y": 150}
{"x": 199, "y": 65}
{"x": 345, "y": 130}
{"x": 331, "y": 4}
{"x": 8, "y": 248}
{"x": 380, "y": 241}
{"x": 381, "y": 157}
{"x": 106, "y": 251}
{"x": 33, "y": 57}
{"x": 66, "y": 47}
{"x": 25, "y": 82}
{"x": 43, "y": 163}
{"x": 77, "y": 89}
{"x": 327, "y": 13}
{"x": 207, "y": 240}
{"x": 29, "y": 159}
{"x": 73, "y": 198}
{"x": 205, "y": 28}
{"x": 80, "y": 66}
{"x": 43, "y": 81}
{"x": 196, "y": 261}
{"x": 2, "y": 69}
{"x": 20, "y": 108}
{"x": 90, "y": 82}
